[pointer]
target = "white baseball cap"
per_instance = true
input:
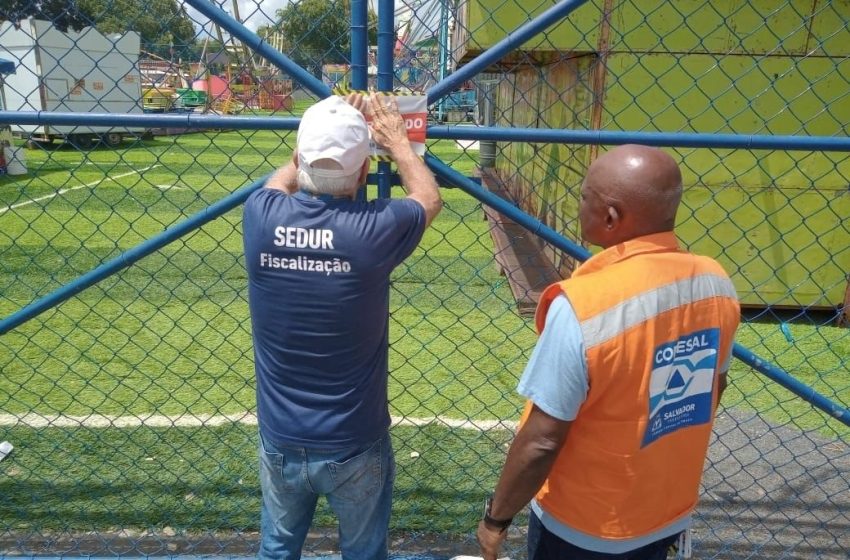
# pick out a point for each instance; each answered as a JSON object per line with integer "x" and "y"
{"x": 333, "y": 129}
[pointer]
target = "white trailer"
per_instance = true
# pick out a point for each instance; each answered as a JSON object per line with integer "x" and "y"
{"x": 79, "y": 72}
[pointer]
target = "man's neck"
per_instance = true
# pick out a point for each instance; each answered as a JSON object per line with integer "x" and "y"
{"x": 327, "y": 197}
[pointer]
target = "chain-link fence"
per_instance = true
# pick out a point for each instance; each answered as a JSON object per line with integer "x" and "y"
{"x": 127, "y": 384}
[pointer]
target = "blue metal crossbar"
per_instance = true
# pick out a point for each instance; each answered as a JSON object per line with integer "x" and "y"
{"x": 543, "y": 135}
{"x": 149, "y": 120}
{"x": 127, "y": 258}
{"x": 616, "y": 137}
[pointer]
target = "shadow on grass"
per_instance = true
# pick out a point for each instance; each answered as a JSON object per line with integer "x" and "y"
{"x": 801, "y": 316}
{"x": 66, "y": 146}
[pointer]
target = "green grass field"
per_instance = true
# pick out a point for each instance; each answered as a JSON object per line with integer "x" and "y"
{"x": 170, "y": 336}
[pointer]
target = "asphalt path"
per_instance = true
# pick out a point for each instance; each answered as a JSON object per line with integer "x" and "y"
{"x": 773, "y": 491}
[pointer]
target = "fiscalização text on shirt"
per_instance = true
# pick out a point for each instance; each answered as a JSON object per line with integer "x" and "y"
{"x": 304, "y": 238}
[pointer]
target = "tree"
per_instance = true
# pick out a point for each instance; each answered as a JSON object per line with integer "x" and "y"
{"x": 64, "y": 14}
{"x": 164, "y": 25}
{"x": 320, "y": 30}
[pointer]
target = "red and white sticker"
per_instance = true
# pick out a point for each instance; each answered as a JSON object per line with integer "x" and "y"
{"x": 414, "y": 111}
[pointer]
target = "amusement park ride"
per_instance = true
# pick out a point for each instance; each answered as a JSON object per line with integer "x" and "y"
{"x": 178, "y": 87}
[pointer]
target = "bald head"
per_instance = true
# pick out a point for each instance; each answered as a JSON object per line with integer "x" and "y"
{"x": 628, "y": 192}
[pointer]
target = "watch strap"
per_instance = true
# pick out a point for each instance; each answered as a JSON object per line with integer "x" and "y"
{"x": 499, "y": 524}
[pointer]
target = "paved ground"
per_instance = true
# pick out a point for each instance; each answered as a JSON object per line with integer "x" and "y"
{"x": 773, "y": 492}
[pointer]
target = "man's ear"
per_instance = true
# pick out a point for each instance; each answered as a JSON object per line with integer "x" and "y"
{"x": 364, "y": 172}
{"x": 612, "y": 218}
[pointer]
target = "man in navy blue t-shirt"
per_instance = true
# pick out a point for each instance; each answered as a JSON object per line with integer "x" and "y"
{"x": 319, "y": 265}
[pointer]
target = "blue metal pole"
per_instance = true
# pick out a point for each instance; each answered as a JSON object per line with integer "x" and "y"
{"x": 259, "y": 46}
{"x": 386, "y": 79}
{"x": 187, "y": 120}
{"x": 616, "y": 137}
{"x": 157, "y": 120}
{"x": 786, "y": 380}
{"x": 360, "y": 53}
{"x": 359, "y": 44}
{"x": 543, "y": 135}
{"x": 129, "y": 257}
{"x": 548, "y": 234}
{"x": 495, "y": 53}
{"x": 533, "y": 225}
{"x": 386, "y": 44}
{"x": 444, "y": 52}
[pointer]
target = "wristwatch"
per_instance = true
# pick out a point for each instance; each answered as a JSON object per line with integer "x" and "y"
{"x": 500, "y": 525}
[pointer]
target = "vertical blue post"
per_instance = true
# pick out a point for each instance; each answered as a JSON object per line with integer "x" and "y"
{"x": 360, "y": 53}
{"x": 360, "y": 44}
{"x": 386, "y": 79}
{"x": 386, "y": 44}
{"x": 444, "y": 53}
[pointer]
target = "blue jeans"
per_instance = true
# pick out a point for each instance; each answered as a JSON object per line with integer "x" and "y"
{"x": 544, "y": 545}
{"x": 357, "y": 482}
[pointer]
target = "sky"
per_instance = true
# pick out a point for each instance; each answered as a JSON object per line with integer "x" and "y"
{"x": 253, "y": 13}
{"x": 262, "y": 12}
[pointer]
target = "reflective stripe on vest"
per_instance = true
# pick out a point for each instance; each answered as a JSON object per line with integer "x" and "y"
{"x": 640, "y": 308}
{"x": 657, "y": 322}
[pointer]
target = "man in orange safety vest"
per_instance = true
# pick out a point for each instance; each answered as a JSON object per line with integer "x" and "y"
{"x": 624, "y": 381}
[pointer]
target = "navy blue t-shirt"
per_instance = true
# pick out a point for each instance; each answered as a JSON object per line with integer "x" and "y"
{"x": 318, "y": 290}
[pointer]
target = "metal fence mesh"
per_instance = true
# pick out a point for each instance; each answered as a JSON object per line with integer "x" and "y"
{"x": 131, "y": 403}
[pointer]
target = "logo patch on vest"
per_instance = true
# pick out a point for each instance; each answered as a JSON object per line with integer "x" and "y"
{"x": 681, "y": 383}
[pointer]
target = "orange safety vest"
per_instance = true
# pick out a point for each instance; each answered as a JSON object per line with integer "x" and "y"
{"x": 657, "y": 323}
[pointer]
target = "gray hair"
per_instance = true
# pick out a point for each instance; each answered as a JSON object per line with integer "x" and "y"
{"x": 334, "y": 186}
{"x": 320, "y": 183}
